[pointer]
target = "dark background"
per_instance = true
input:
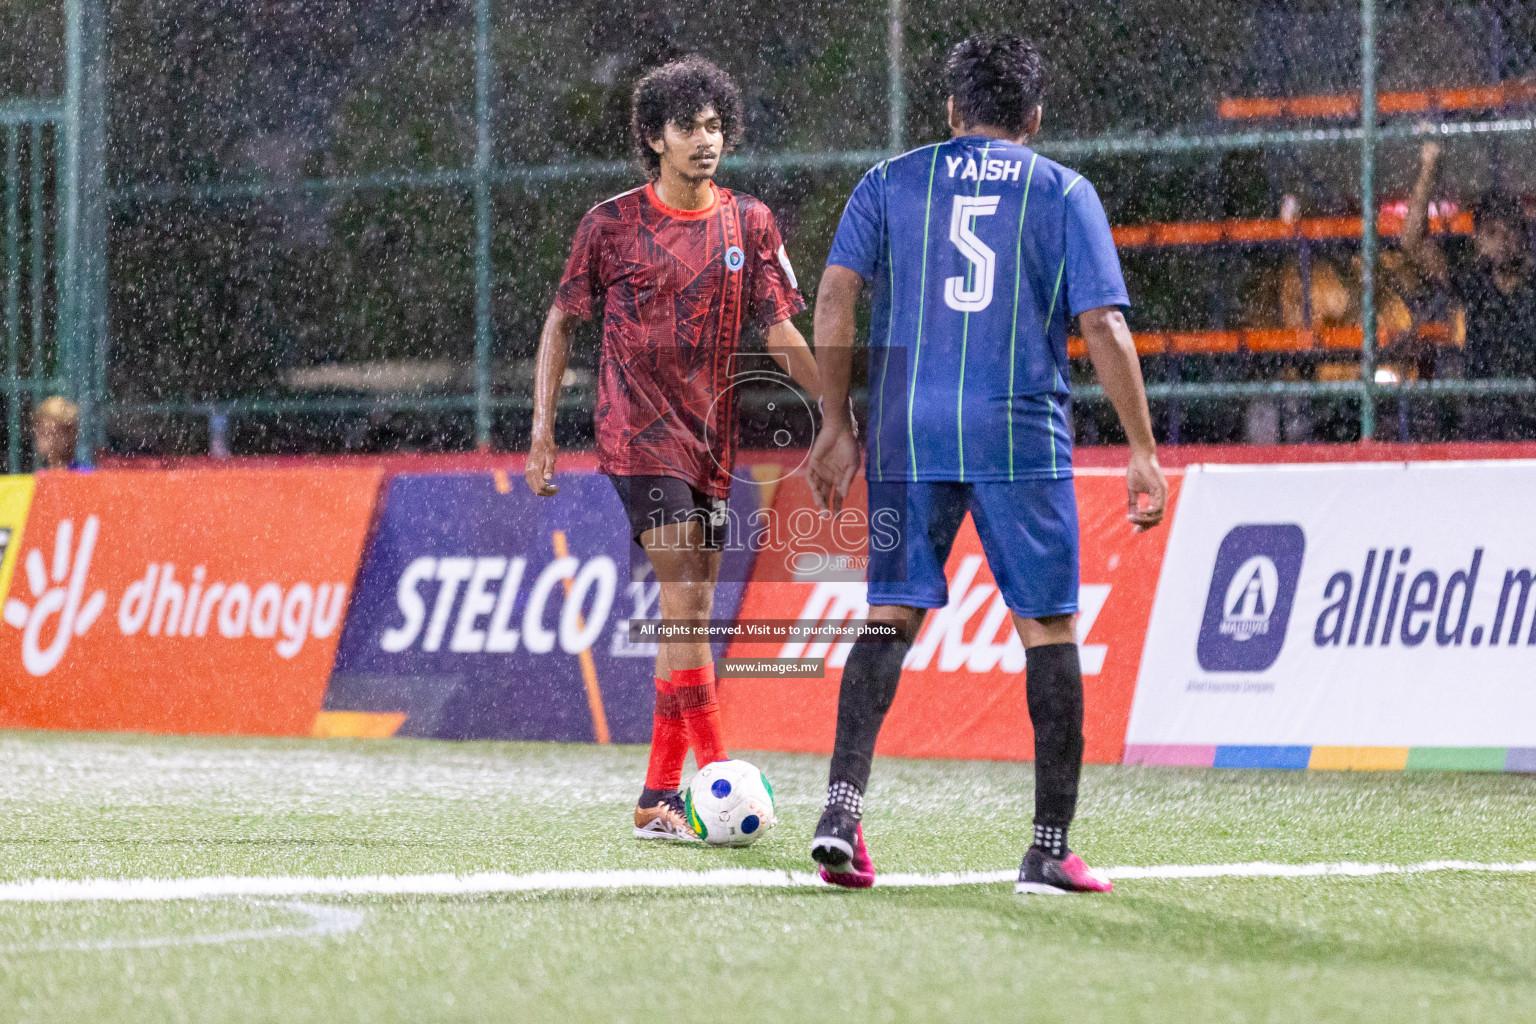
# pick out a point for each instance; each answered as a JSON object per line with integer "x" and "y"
{"x": 216, "y": 294}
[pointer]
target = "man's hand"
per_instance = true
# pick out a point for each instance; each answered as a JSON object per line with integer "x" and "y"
{"x": 554, "y": 347}
{"x": 539, "y": 470}
{"x": 1144, "y": 478}
{"x": 833, "y": 463}
{"x": 1427, "y": 258}
{"x": 1429, "y": 156}
{"x": 835, "y": 454}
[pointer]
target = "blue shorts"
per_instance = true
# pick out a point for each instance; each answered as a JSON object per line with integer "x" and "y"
{"x": 1028, "y": 531}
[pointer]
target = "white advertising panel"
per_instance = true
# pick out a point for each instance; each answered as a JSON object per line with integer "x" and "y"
{"x": 1372, "y": 605}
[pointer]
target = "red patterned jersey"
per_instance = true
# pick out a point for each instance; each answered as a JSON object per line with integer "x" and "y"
{"x": 676, "y": 287}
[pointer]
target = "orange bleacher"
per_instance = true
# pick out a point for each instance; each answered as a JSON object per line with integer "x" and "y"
{"x": 1429, "y": 101}
{"x": 1143, "y": 236}
{"x": 1192, "y": 233}
{"x": 1248, "y": 232}
{"x": 1280, "y": 339}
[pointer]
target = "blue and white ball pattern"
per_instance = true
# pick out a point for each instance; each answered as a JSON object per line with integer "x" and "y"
{"x": 730, "y": 803}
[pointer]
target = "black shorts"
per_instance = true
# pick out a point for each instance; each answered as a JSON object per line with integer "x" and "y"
{"x": 652, "y": 501}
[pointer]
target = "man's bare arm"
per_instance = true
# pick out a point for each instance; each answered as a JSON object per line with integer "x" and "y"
{"x": 836, "y": 301}
{"x": 784, "y": 339}
{"x": 554, "y": 350}
{"x": 1113, "y": 353}
{"x": 835, "y": 455}
{"x": 1427, "y": 256}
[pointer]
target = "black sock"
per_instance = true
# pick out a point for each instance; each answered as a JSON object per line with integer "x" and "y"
{"x": 651, "y": 797}
{"x": 868, "y": 687}
{"x": 1054, "y": 685}
{"x": 1052, "y": 840}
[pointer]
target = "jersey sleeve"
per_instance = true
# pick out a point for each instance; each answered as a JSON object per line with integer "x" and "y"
{"x": 581, "y": 286}
{"x": 775, "y": 292}
{"x": 1092, "y": 271}
{"x": 860, "y": 234}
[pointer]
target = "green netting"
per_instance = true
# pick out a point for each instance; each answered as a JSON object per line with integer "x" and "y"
{"x": 294, "y": 188}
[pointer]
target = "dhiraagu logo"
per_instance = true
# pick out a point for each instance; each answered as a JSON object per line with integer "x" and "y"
{"x": 59, "y": 605}
{"x": 1248, "y": 606}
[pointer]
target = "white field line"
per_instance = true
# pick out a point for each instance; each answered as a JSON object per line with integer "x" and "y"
{"x": 324, "y": 920}
{"x": 51, "y": 890}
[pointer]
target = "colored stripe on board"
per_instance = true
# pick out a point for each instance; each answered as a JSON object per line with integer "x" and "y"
{"x": 1295, "y": 758}
{"x": 1360, "y": 759}
{"x": 1520, "y": 759}
{"x": 1458, "y": 759}
{"x": 1325, "y": 758}
{"x": 1170, "y": 755}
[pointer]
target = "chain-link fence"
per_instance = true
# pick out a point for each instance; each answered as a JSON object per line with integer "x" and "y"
{"x": 336, "y": 227}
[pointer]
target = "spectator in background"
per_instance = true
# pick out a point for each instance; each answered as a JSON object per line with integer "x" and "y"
{"x": 1330, "y": 298}
{"x": 55, "y": 429}
{"x": 1496, "y": 290}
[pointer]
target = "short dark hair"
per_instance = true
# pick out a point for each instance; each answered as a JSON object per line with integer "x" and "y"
{"x": 995, "y": 81}
{"x": 676, "y": 92}
{"x": 1500, "y": 206}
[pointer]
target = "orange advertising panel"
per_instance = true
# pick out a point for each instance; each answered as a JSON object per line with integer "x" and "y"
{"x": 184, "y": 602}
{"x": 962, "y": 690}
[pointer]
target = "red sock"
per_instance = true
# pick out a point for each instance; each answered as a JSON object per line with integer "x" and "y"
{"x": 669, "y": 741}
{"x": 695, "y": 689}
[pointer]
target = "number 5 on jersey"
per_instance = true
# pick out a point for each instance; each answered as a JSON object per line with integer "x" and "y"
{"x": 973, "y": 292}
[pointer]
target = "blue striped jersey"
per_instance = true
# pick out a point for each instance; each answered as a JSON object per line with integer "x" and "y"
{"x": 979, "y": 251}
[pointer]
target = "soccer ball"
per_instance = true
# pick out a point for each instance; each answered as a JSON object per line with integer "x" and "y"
{"x": 730, "y": 803}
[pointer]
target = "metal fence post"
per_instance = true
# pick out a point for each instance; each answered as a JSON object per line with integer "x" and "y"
{"x": 13, "y": 298}
{"x": 1367, "y": 219}
{"x": 483, "y": 224}
{"x": 66, "y": 245}
{"x": 896, "y": 83}
{"x": 82, "y": 271}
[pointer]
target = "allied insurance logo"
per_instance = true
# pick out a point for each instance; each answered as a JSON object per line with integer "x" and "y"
{"x": 1249, "y": 604}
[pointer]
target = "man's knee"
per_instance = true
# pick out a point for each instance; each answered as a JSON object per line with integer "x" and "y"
{"x": 687, "y": 600}
{"x": 1046, "y": 630}
{"x": 906, "y": 619}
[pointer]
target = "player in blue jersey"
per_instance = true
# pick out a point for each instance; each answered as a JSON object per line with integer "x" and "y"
{"x": 979, "y": 251}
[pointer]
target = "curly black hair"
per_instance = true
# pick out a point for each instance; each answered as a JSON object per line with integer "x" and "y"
{"x": 676, "y": 92}
{"x": 996, "y": 80}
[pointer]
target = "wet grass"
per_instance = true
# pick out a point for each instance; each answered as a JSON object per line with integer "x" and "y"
{"x": 1438, "y": 947}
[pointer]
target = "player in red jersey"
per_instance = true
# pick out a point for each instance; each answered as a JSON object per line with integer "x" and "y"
{"x": 680, "y": 266}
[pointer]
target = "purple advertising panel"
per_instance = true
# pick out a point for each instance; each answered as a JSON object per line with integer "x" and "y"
{"x": 485, "y": 612}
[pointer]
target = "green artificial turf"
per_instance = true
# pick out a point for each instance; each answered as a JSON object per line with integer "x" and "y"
{"x": 1432, "y": 947}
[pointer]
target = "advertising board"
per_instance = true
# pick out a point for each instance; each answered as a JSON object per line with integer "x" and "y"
{"x": 183, "y": 602}
{"x": 1367, "y": 615}
{"x": 486, "y": 612}
{"x": 962, "y": 692}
